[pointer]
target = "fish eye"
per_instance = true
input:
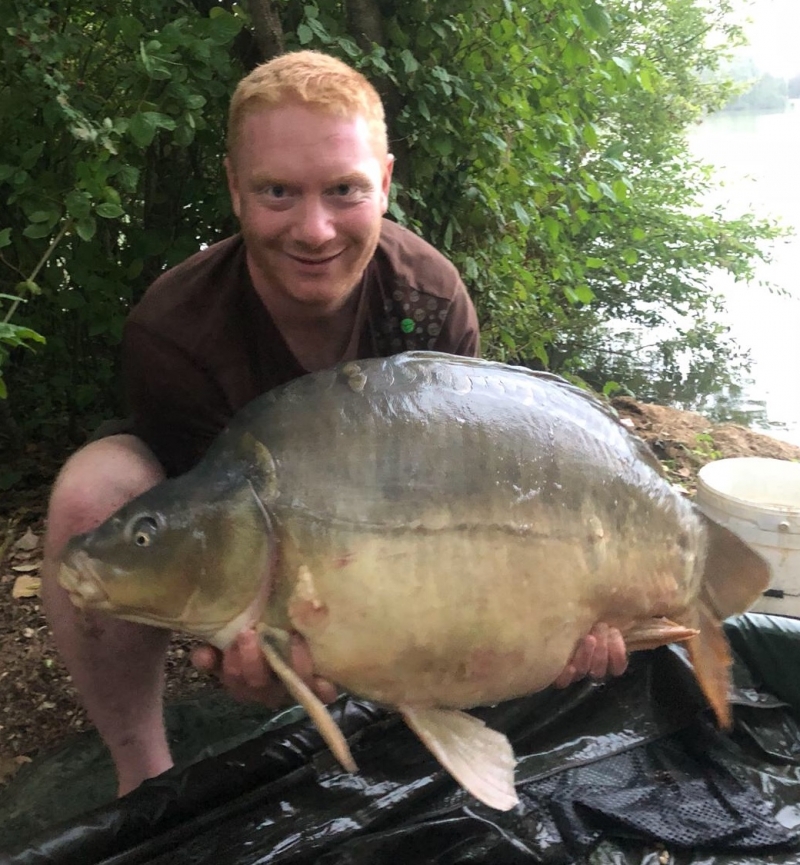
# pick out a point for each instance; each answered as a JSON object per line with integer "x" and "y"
{"x": 143, "y": 531}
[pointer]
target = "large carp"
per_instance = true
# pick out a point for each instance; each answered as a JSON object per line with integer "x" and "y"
{"x": 442, "y": 531}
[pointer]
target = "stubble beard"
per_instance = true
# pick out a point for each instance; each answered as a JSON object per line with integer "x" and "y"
{"x": 331, "y": 296}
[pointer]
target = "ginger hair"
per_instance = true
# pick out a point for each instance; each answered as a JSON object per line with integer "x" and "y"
{"x": 308, "y": 78}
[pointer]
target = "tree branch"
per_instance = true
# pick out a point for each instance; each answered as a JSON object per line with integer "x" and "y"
{"x": 365, "y": 25}
{"x": 267, "y": 28}
{"x": 364, "y": 22}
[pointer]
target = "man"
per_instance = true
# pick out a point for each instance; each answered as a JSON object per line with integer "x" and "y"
{"x": 316, "y": 276}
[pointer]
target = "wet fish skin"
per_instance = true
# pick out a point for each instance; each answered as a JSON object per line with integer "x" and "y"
{"x": 441, "y": 530}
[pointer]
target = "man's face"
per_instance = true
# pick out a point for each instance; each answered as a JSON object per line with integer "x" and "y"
{"x": 309, "y": 189}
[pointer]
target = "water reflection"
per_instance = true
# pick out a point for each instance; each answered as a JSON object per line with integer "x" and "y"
{"x": 719, "y": 388}
{"x": 756, "y": 160}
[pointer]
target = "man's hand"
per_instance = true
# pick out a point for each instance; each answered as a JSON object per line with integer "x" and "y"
{"x": 246, "y": 675}
{"x": 599, "y": 654}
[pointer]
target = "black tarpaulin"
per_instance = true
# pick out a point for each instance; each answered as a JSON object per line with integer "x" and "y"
{"x": 631, "y": 771}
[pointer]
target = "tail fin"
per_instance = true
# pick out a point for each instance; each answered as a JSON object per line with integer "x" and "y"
{"x": 710, "y": 655}
{"x": 733, "y": 579}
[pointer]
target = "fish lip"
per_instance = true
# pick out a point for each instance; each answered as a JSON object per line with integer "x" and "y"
{"x": 78, "y": 576}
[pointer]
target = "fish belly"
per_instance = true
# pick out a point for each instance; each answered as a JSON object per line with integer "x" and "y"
{"x": 461, "y": 617}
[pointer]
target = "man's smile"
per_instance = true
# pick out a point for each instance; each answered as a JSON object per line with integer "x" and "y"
{"x": 302, "y": 259}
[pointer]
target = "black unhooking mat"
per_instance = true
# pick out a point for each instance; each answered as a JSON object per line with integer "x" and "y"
{"x": 631, "y": 771}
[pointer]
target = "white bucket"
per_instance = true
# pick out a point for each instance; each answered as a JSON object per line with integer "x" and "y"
{"x": 759, "y": 500}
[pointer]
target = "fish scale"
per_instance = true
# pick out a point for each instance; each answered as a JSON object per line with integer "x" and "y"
{"x": 442, "y": 531}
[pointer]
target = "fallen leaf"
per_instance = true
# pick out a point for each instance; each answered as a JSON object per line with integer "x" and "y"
{"x": 10, "y": 765}
{"x": 29, "y": 541}
{"x": 26, "y": 587}
{"x": 26, "y": 569}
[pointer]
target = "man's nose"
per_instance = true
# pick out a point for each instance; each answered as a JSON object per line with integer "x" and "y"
{"x": 314, "y": 225}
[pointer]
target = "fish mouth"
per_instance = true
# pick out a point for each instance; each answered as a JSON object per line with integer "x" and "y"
{"x": 82, "y": 582}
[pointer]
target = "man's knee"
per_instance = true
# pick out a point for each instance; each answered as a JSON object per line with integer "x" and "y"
{"x": 95, "y": 482}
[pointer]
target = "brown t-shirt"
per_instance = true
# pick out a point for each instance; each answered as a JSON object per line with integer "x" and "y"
{"x": 200, "y": 344}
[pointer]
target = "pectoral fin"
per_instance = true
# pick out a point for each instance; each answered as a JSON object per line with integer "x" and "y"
{"x": 273, "y": 643}
{"x": 656, "y": 632}
{"x": 479, "y": 758}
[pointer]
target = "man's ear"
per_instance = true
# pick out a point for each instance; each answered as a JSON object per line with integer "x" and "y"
{"x": 233, "y": 186}
{"x": 386, "y": 182}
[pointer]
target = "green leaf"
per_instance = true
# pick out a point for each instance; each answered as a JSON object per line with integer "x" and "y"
{"x": 442, "y": 146}
{"x": 184, "y": 135}
{"x": 595, "y": 262}
{"x": 348, "y": 46}
{"x": 42, "y": 216}
{"x": 522, "y": 214}
{"x": 584, "y": 294}
{"x": 508, "y": 340}
{"x": 597, "y": 18}
{"x": 5, "y": 237}
{"x": 31, "y": 156}
{"x": 607, "y": 191}
{"x": 552, "y": 227}
{"x": 594, "y": 191}
{"x": 226, "y": 25}
{"x": 86, "y": 228}
{"x": 163, "y": 121}
{"x": 304, "y": 34}
{"x": 624, "y": 63}
{"x": 409, "y": 61}
{"x": 25, "y": 334}
{"x": 79, "y": 203}
{"x": 630, "y": 256}
{"x": 108, "y": 210}
{"x": 319, "y": 31}
{"x": 38, "y": 230}
{"x": 448, "y": 236}
{"x": 128, "y": 177}
{"x": 142, "y": 127}
{"x": 18, "y": 335}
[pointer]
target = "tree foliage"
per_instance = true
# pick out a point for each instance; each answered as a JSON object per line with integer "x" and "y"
{"x": 542, "y": 146}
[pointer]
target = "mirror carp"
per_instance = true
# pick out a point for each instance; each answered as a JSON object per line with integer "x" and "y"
{"x": 441, "y": 530}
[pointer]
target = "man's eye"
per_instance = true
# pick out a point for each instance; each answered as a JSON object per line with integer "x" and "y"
{"x": 276, "y": 191}
{"x": 343, "y": 189}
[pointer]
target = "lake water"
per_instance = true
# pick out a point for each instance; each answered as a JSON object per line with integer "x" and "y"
{"x": 758, "y": 162}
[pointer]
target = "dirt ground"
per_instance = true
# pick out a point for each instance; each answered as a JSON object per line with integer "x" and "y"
{"x": 38, "y": 704}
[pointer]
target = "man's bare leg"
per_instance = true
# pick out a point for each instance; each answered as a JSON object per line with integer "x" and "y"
{"x": 117, "y": 667}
